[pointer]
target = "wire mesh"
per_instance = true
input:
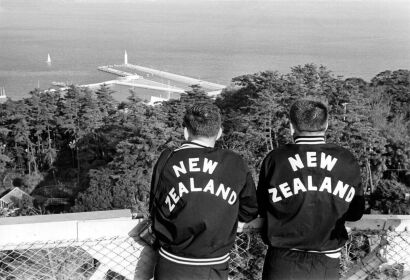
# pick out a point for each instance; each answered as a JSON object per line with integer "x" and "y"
{"x": 375, "y": 254}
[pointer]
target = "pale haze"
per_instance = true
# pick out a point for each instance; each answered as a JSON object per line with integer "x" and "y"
{"x": 211, "y": 40}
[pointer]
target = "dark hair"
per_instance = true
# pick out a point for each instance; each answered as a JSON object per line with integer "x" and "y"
{"x": 203, "y": 120}
{"x": 308, "y": 115}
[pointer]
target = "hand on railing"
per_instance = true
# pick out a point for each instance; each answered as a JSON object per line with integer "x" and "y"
{"x": 240, "y": 227}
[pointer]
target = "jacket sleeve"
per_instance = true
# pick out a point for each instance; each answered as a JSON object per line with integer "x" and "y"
{"x": 357, "y": 205}
{"x": 262, "y": 190}
{"x": 356, "y": 209}
{"x": 155, "y": 177}
{"x": 152, "y": 188}
{"x": 248, "y": 206}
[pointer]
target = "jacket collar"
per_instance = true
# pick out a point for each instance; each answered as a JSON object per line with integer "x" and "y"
{"x": 187, "y": 145}
{"x": 310, "y": 140}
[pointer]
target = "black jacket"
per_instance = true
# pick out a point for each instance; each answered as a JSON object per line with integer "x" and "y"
{"x": 306, "y": 192}
{"x": 201, "y": 194}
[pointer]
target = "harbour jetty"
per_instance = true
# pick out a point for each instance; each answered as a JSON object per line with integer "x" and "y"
{"x": 111, "y": 70}
{"x": 176, "y": 77}
{"x": 133, "y": 76}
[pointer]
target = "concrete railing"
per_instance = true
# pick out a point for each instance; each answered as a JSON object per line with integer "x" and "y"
{"x": 73, "y": 226}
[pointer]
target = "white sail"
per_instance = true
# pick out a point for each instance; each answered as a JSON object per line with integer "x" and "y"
{"x": 48, "y": 59}
{"x": 125, "y": 57}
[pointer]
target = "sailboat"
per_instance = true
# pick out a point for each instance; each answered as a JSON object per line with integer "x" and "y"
{"x": 48, "y": 59}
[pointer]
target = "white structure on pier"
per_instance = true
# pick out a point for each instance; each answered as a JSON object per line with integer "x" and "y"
{"x": 125, "y": 58}
{"x": 3, "y": 96}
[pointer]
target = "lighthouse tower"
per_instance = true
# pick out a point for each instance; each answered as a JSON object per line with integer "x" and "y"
{"x": 125, "y": 58}
{"x": 3, "y": 96}
{"x": 48, "y": 60}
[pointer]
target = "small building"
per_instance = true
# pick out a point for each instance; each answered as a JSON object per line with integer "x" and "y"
{"x": 15, "y": 197}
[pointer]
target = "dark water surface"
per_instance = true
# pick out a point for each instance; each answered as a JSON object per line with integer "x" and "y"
{"x": 211, "y": 40}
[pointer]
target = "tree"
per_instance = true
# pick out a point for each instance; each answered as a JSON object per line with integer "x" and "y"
{"x": 390, "y": 197}
{"x": 105, "y": 102}
{"x": 143, "y": 135}
{"x": 99, "y": 194}
{"x": 69, "y": 108}
{"x": 4, "y": 159}
{"x": 79, "y": 119}
{"x": 42, "y": 107}
{"x": 112, "y": 149}
{"x": 175, "y": 108}
{"x": 256, "y": 107}
{"x": 396, "y": 89}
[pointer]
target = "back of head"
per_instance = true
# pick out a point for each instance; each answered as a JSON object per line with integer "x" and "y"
{"x": 309, "y": 116}
{"x": 203, "y": 120}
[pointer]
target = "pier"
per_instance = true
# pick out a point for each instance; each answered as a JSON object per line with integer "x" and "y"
{"x": 111, "y": 70}
{"x": 175, "y": 77}
{"x": 132, "y": 79}
{"x": 150, "y": 85}
{"x": 132, "y": 76}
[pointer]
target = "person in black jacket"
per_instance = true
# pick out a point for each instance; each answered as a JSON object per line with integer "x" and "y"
{"x": 201, "y": 194}
{"x": 306, "y": 192}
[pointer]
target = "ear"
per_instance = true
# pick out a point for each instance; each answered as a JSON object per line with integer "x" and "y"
{"x": 292, "y": 129}
{"x": 219, "y": 134}
{"x": 186, "y": 134}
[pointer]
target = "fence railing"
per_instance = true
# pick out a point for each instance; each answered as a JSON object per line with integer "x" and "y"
{"x": 103, "y": 245}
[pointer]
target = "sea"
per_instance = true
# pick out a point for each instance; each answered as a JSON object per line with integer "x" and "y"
{"x": 206, "y": 39}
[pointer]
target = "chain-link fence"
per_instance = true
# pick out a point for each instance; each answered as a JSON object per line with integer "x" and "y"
{"x": 369, "y": 254}
{"x": 376, "y": 254}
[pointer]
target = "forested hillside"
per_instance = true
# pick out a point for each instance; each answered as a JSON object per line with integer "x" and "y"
{"x": 98, "y": 154}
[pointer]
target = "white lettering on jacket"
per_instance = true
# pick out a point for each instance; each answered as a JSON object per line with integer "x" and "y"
{"x": 193, "y": 165}
{"x": 208, "y": 166}
{"x": 326, "y": 161}
{"x": 339, "y": 189}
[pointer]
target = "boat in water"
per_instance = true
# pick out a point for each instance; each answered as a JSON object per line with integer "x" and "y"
{"x": 48, "y": 59}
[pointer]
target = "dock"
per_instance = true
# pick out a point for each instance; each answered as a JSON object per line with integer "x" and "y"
{"x": 132, "y": 75}
{"x": 150, "y": 85}
{"x": 214, "y": 88}
{"x": 132, "y": 79}
{"x": 111, "y": 70}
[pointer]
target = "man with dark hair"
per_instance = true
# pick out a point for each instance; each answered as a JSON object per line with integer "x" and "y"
{"x": 309, "y": 116}
{"x": 306, "y": 192}
{"x": 202, "y": 192}
{"x": 203, "y": 120}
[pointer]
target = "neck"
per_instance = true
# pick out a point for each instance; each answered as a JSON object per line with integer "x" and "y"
{"x": 309, "y": 133}
{"x": 204, "y": 141}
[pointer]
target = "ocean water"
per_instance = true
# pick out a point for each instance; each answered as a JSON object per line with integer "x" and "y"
{"x": 210, "y": 40}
